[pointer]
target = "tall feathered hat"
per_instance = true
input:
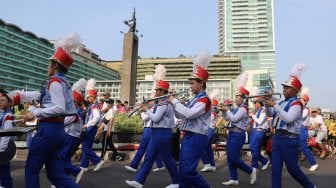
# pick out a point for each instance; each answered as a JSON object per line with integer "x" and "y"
{"x": 90, "y": 88}
{"x": 305, "y": 94}
{"x": 213, "y": 96}
{"x": 255, "y": 91}
{"x": 200, "y": 63}
{"x": 294, "y": 78}
{"x": 241, "y": 84}
{"x": 20, "y": 96}
{"x": 64, "y": 46}
{"x": 159, "y": 76}
{"x": 77, "y": 89}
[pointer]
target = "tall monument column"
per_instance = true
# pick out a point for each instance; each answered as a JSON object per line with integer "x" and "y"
{"x": 129, "y": 63}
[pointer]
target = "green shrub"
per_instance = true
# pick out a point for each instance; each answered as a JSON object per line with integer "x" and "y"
{"x": 124, "y": 124}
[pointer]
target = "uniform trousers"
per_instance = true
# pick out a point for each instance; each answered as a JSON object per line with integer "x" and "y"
{"x": 192, "y": 148}
{"x": 234, "y": 146}
{"x": 6, "y": 179}
{"x": 69, "y": 149}
{"x": 208, "y": 156}
{"x": 142, "y": 149}
{"x": 45, "y": 149}
{"x": 159, "y": 144}
{"x": 285, "y": 150}
{"x": 88, "y": 154}
{"x": 304, "y": 147}
{"x": 255, "y": 141}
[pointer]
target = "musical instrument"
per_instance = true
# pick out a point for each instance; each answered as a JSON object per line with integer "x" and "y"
{"x": 137, "y": 109}
{"x": 156, "y": 100}
{"x": 17, "y": 131}
{"x": 274, "y": 96}
{"x": 9, "y": 153}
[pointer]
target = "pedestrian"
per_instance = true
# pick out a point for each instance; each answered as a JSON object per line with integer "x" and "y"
{"x": 108, "y": 123}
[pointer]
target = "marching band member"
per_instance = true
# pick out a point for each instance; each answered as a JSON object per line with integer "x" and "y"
{"x": 162, "y": 118}
{"x": 208, "y": 156}
{"x": 6, "y": 122}
{"x": 236, "y": 138}
{"x": 56, "y": 102}
{"x": 143, "y": 145}
{"x": 73, "y": 129}
{"x": 92, "y": 120}
{"x": 259, "y": 128}
{"x": 304, "y": 130}
{"x": 287, "y": 121}
{"x": 196, "y": 116}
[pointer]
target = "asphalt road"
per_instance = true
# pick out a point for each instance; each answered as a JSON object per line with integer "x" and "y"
{"x": 113, "y": 174}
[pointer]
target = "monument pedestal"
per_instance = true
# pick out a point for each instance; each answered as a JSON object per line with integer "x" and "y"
{"x": 129, "y": 68}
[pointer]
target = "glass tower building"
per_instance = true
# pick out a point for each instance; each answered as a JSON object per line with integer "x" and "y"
{"x": 246, "y": 29}
{"x": 24, "y": 60}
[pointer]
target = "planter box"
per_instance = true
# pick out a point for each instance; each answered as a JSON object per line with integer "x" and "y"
{"x": 126, "y": 137}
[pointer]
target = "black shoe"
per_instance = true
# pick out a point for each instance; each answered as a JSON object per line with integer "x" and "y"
{"x": 118, "y": 157}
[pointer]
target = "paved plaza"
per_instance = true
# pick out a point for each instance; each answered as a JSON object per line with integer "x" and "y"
{"x": 113, "y": 174}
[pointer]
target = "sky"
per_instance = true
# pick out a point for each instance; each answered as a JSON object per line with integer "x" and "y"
{"x": 305, "y": 32}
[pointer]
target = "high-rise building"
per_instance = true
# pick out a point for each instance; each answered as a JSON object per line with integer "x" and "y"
{"x": 181, "y": 68}
{"x": 222, "y": 72}
{"x": 24, "y": 60}
{"x": 246, "y": 29}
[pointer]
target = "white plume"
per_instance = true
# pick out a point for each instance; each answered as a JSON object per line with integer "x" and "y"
{"x": 25, "y": 96}
{"x": 79, "y": 85}
{"x": 297, "y": 70}
{"x": 69, "y": 42}
{"x": 214, "y": 94}
{"x": 242, "y": 80}
{"x": 304, "y": 91}
{"x": 202, "y": 59}
{"x": 159, "y": 74}
{"x": 255, "y": 91}
{"x": 90, "y": 85}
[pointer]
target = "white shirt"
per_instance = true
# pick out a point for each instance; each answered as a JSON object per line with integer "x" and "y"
{"x": 108, "y": 115}
{"x": 318, "y": 120}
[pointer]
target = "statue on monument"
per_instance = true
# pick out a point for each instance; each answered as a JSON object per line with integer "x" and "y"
{"x": 131, "y": 24}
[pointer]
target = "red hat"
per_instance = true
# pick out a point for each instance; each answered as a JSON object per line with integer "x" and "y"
{"x": 243, "y": 91}
{"x": 227, "y": 102}
{"x": 92, "y": 92}
{"x": 293, "y": 82}
{"x": 214, "y": 102}
{"x": 305, "y": 97}
{"x": 162, "y": 85}
{"x": 16, "y": 98}
{"x": 200, "y": 73}
{"x": 62, "y": 57}
{"x": 77, "y": 97}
